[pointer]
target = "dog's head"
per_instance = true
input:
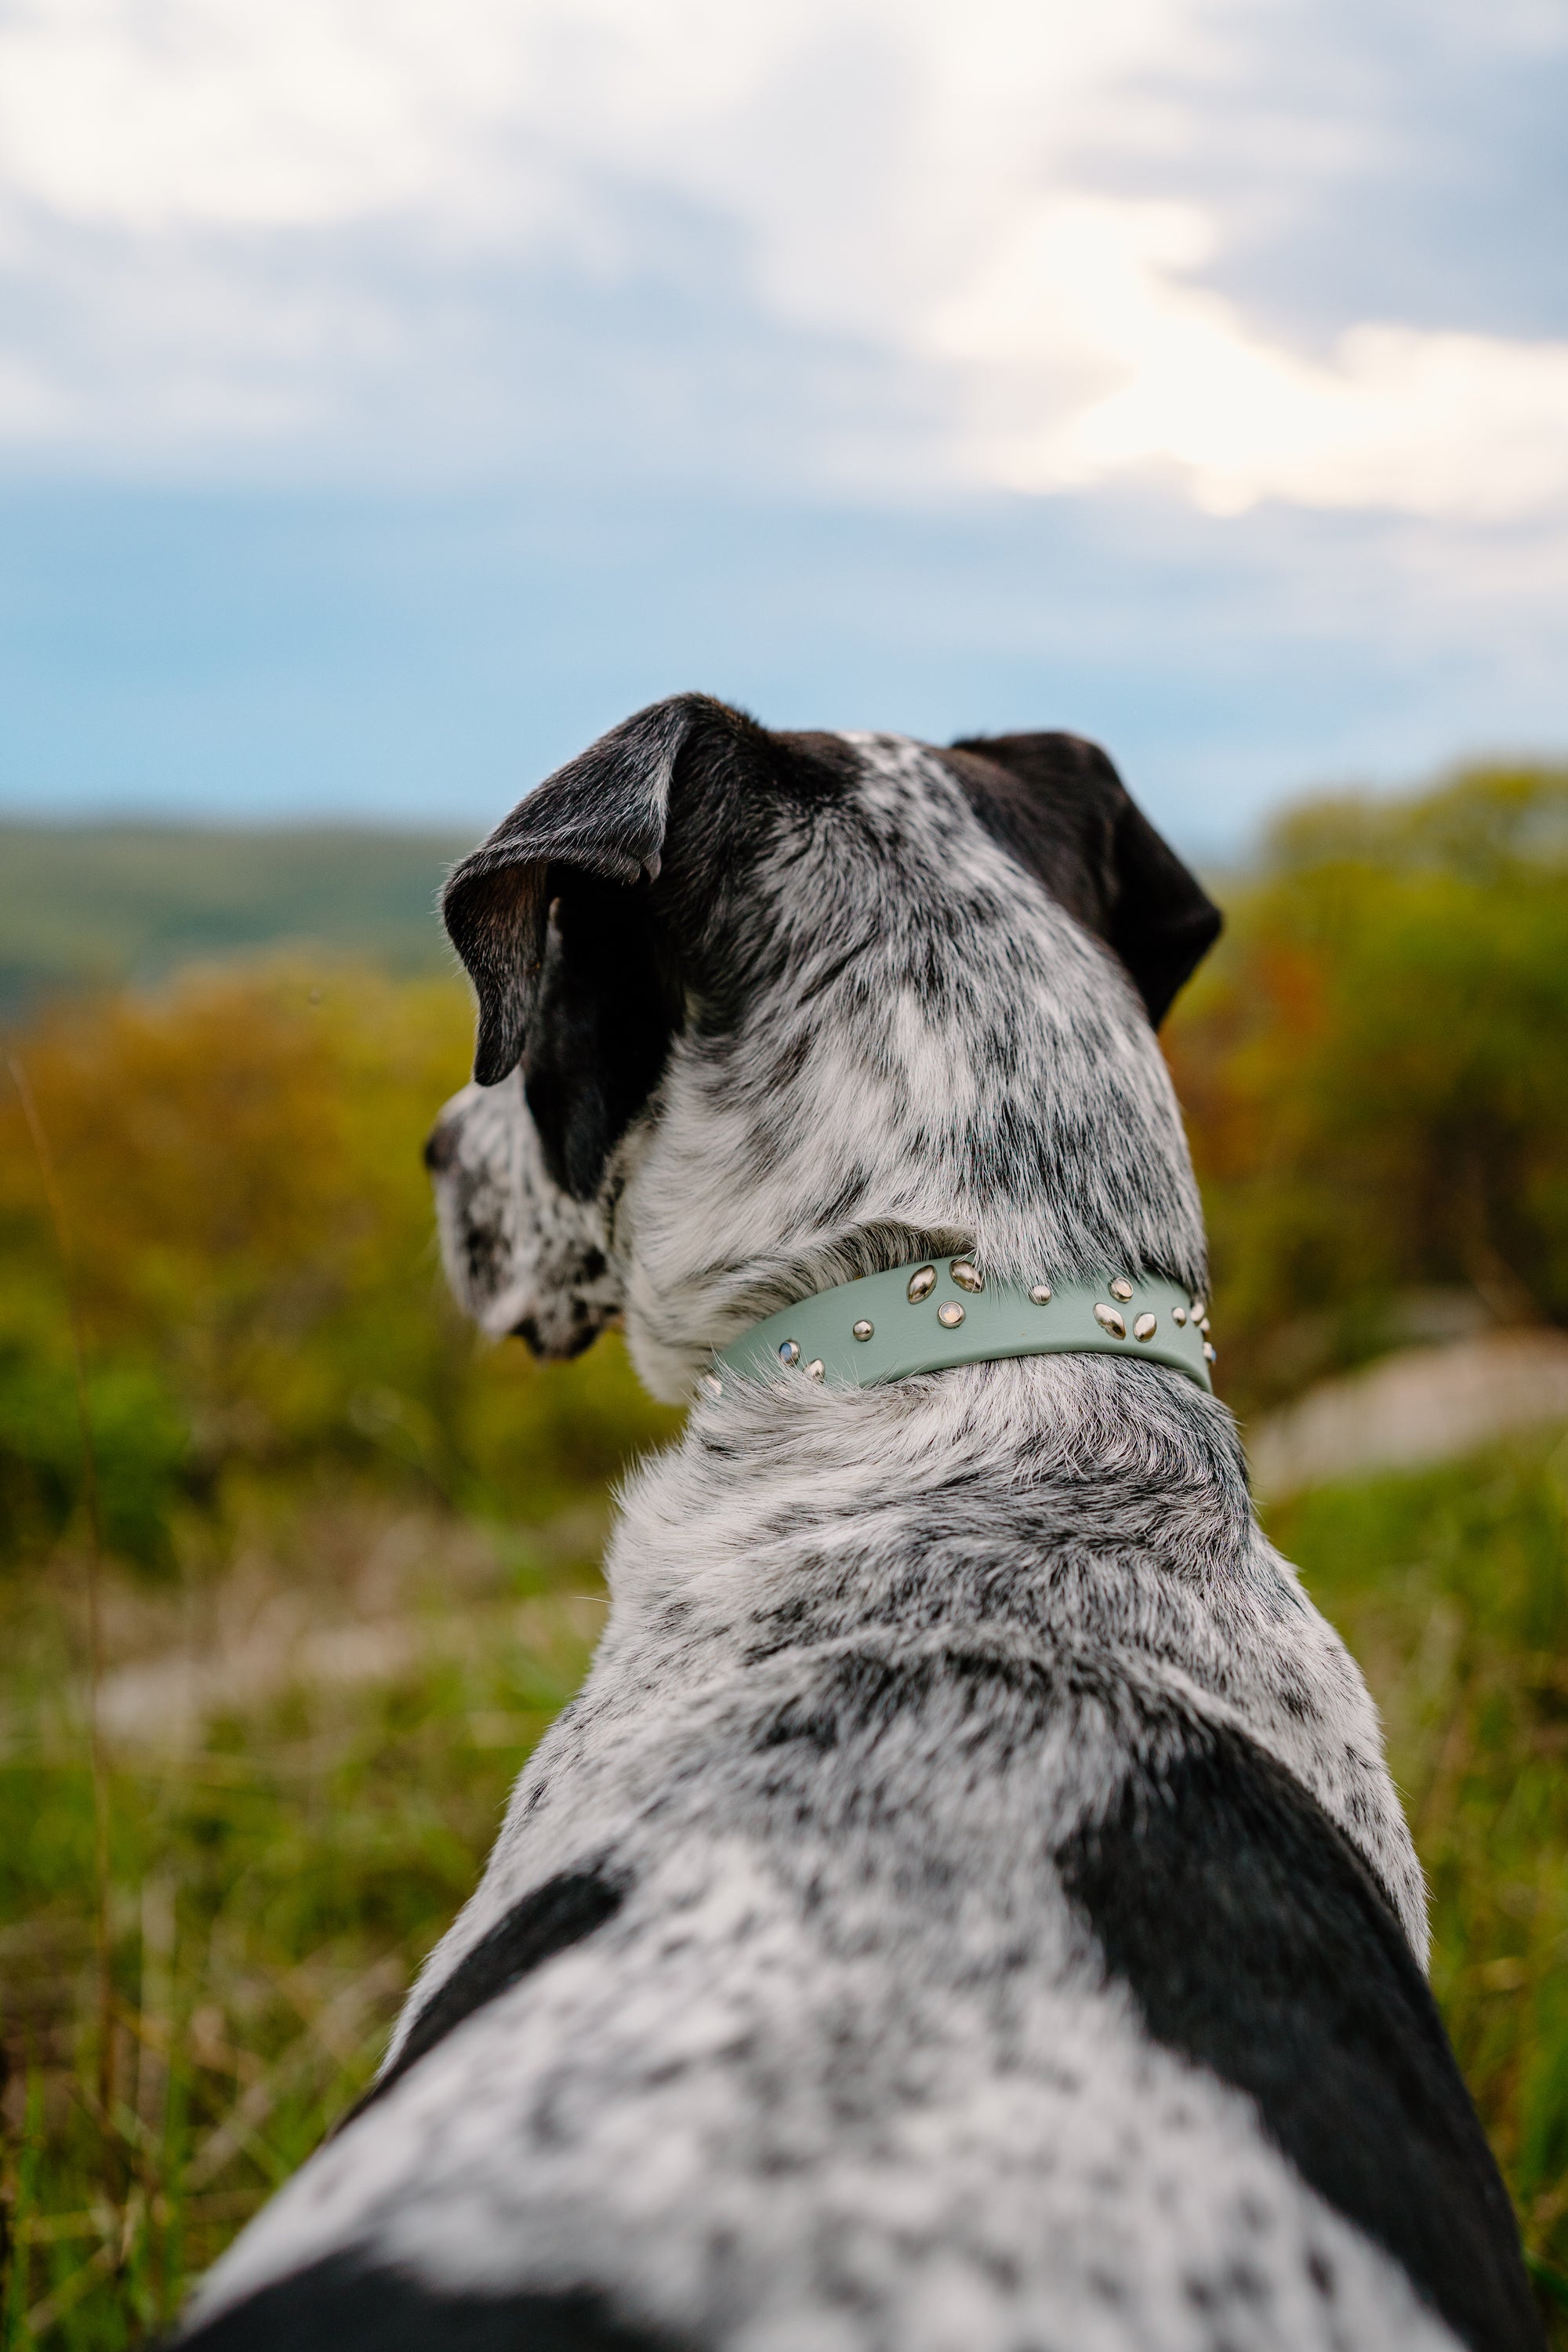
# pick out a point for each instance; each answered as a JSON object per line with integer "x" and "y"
{"x": 759, "y": 1013}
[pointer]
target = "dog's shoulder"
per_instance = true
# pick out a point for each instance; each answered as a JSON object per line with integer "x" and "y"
{"x": 1258, "y": 1944}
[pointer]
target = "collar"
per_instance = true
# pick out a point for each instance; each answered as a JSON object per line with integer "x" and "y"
{"x": 920, "y": 1318}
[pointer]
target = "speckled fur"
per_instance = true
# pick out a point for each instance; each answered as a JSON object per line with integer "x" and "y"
{"x": 521, "y": 1255}
{"x": 844, "y": 2072}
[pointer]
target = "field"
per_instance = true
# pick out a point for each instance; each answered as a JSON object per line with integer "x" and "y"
{"x": 101, "y": 905}
{"x": 271, "y": 1879}
{"x": 276, "y": 1867}
{"x": 346, "y": 1567}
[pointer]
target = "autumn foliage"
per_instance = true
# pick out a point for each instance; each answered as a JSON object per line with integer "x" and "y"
{"x": 253, "y": 1250}
{"x": 1375, "y": 1070}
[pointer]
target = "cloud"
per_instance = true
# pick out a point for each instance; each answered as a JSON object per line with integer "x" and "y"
{"x": 161, "y": 119}
{"x": 868, "y": 244}
{"x": 1088, "y": 318}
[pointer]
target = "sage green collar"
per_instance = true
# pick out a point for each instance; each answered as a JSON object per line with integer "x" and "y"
{"x": 920, "y": 1318}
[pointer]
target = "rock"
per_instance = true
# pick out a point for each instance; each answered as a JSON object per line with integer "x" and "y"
{"x": 1422, "y": 1405}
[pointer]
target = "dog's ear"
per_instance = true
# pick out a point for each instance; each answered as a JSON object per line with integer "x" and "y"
{"x": 604, "y": 815}
{"x": 553, "y": 918}
{"x": 1057, "y": 803}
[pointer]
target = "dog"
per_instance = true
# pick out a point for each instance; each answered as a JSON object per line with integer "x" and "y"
{"x": 966, "y": 1908}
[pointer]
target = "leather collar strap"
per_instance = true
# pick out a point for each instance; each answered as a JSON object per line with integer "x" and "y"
{"x": 920, "y": 1318}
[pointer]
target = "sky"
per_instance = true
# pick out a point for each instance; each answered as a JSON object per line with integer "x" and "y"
{"x": 391, "y": 397}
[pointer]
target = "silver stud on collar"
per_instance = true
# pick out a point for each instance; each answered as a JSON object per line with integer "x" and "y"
{"x": 1145, "y": 1326}
{"x": 921, "y": 1284}
{"x": 863, "y": 1331}
{"x": 1122, "y": 1289}
{"x": 1200, "y": 1307}
{"x": 1210, "y": 1353}
{"x": 967, "y": 1276}
{"x": 815, "y": 1368}
{"x": 950, "y": 1315}
{"x": 1178, "y": 1314}
{"x": 789, "y": 1353}
{"x": 1040, "y": 1294}
{"x": 1110, "y": 1320}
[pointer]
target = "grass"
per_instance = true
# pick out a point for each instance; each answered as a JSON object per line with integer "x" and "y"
{"x": 276, "y": 1876}
{"x": 281, "y": 1863}
{"x": 1452, "y": 1590}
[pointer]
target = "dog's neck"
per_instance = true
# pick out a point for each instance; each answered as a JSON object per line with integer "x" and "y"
{"x": 970, "y": 1489}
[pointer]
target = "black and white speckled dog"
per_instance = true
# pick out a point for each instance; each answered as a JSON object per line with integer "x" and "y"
{"x": 966, "y": 1910}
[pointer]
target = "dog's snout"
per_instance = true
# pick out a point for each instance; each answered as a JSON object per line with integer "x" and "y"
{"x": 441, "y": 1146}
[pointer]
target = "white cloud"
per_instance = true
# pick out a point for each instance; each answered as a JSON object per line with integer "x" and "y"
{"x": 153, "y": 118}
{"x": 894, "y": 174}
{"x": 1088, "y": 322}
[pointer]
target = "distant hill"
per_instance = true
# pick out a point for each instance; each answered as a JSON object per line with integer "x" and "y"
{"x": 89, "y": 905}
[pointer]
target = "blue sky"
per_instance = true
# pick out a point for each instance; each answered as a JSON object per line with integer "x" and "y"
{"x": 390, "y": 397}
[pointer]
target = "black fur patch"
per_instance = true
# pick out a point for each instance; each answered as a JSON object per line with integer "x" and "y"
{"x": 1058, "y": 804}
{"x": 607, "y": 1006}
{"x": 1257, "y": 1942}
{"x": 553, "y": 1918}
{"x": 344, "y": 2306}
{"x": 602, "y": 814}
